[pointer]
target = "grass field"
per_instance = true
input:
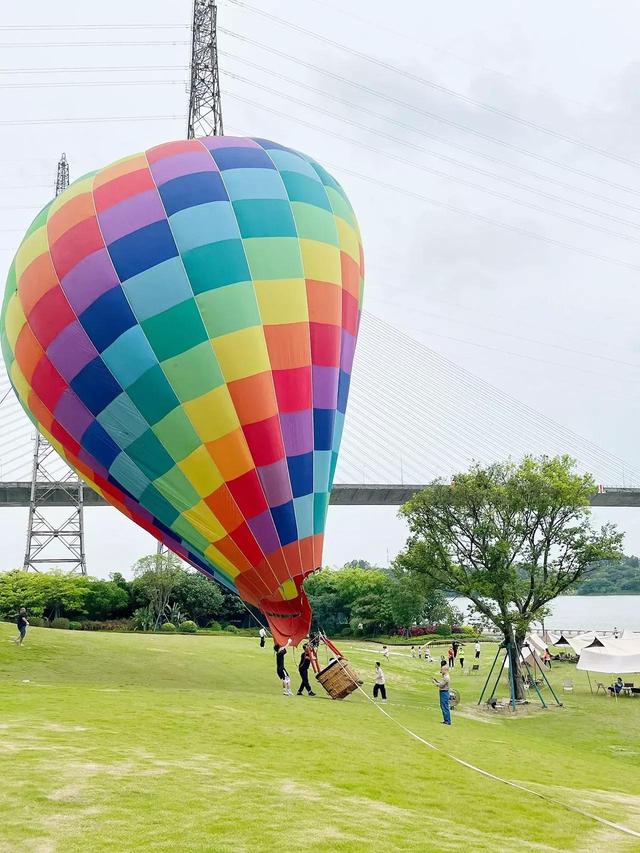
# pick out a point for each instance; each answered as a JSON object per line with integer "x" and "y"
{"x": 148, "y": 742}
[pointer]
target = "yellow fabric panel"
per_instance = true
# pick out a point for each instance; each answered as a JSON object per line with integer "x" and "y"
{"x": 348, "y": 238}
{"x": 32, "y": 247}
{"x": 212, "y": 415}
{"x": 321, "y": 261}
{"x": 282, "y": 301}
{"x": 242, "y": 353}
{"x": 204, "y": 521}
{"x": 119, "y": 168}
{"x": 14, "y": 320}
{"x": 219, "y": 558}
{"x": 288, "y": 590}
{"x": 201, "y": 472}
{"x": 20, "y": 383}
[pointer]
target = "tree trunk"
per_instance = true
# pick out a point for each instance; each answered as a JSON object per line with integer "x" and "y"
{"x": 514, "y": 644}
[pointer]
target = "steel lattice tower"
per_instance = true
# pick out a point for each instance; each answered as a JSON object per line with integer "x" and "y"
{"x": 67, "y": 538}
{"x": 205, "y": 109}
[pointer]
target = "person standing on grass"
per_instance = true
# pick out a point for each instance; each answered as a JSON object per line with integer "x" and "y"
{"x": 443, "y": 690}
{"x": 379, "y": 685}
{"x": 455, "y": 645}
{"x": 413, "y": 651}
{"x": 477, "y": 654}
{"x": 22, "y": 623}
{"x": 263, "y": 637}
{"x": 385, "y": 652}
{"x": 303, "y": 669}
{"x": 461, "y": 655}
{"x": 281, "y": 672}
{"x": 451, "y": 653}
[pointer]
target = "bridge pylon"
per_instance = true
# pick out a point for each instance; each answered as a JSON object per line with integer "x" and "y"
{"x": 51, "y": 543}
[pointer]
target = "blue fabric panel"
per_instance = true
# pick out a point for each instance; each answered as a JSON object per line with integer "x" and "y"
{"x": 191, "y": 190}
{"x": 241, "y": 158}
{"x": 323, "y": 420}
{"x": 301, "y": 474}
{"x": 95, "y": 386}
{"x": 253, "y": 183}
{"x": 142, "y": 249}
{"x": 157, "y": 289}
{"x": 99, "y": 444}
{"x": 129, "y": 356}
{"x": 107, "y": 318}
{"x": 126, "y": 473}
{"x": 204, "y": 223}
{"x": 285, "y": 521}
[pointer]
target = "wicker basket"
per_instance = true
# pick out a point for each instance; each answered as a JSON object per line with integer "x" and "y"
{"x": 339, "y": 678}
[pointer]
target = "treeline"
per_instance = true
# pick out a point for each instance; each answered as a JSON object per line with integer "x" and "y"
{"x": 611, "y": 577}
{"x": 365, "y": 600}
{"x": 162, "y": 592}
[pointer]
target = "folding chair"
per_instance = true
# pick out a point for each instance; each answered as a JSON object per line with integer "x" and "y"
{"x": 567, "y": 686}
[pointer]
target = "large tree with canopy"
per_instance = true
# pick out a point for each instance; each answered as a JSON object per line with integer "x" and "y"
{"x": 510, "y": 537}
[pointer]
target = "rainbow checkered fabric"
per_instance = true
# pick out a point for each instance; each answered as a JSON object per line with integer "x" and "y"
{"x": 181, "y": 326}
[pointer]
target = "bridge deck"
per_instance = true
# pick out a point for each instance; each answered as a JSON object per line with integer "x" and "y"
{"x": 55, "y": 494}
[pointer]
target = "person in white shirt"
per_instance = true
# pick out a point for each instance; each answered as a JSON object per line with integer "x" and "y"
{"x": 379, "y": 685}
{"x": 443, "y": 688}
{"x": 263, "y": 637}
{"x": 385, "y": 652}
{"x": 477, "y": 649}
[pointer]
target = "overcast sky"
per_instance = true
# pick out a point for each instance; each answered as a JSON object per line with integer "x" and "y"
{"x": 551, "y": 321}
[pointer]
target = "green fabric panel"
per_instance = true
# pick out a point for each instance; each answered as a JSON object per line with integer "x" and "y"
{"x": 341, "y": 207}
{"x": 175, "y": 331}
{"x": 177, "y": 435}
{"x": 175, "y": 487}
{"x": 302, "y": 188}
{"x": 274, "y": 257}
{"x": 327, "y": 179}
{"x": 196, "y": 371}
{"x": 152, "y": 395}
{"x": 320, "y": 506}
{"x": 195, "y": 539}
{"x": 158, "y": 506}
{"x": 150, "y": 456}
{"x": 229, "y": 309}
{"x": 314, "y": 223}
{"x": 262, "y": 217}
{"x": 216, "y": 265}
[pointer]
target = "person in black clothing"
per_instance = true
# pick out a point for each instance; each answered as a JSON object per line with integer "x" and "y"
{"x": 281, "y": 672}
{"x": 455, "y": 646}
{"x": 303, "y": 669}
{"x": 22, "y": 623}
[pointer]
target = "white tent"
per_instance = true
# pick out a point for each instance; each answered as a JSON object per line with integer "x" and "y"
{"x": 612, "y": 656}
{"x": 581, "y": 641}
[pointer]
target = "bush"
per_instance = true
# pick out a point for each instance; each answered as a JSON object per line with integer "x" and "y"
{"x": 38, "y": 622}
{"x": 75, "y": 626}
{"x": 443, "y": 630}
{"x": 168, "y": 628}
{"x": 60, "y": 622}
{"x": 188, "y": 627}
{"x": 231, "y": 629}
{"x": 214, "y": 626}
{"x": 111, "y": 625}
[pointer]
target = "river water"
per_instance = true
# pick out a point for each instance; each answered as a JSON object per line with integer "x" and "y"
{"x": 586, "y": 612}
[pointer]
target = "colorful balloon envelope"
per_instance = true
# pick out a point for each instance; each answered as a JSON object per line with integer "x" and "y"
{"x": 181, "y": 326}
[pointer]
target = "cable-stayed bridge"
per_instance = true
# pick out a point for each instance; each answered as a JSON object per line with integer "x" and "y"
{"x": 414, "y": 416}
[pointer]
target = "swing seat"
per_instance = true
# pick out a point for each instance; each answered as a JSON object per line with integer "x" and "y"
{"x": 339, "y": 678}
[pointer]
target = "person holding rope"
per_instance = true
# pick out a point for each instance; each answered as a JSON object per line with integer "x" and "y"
{"x": 263, "y": 637}
{"x": 281, "y": 672}
{"x": 379, "y": 686}
{"x": 443, "y": 688}
{"x": 303, "y": 669}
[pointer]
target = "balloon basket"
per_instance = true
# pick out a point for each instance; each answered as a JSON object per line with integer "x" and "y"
{"x": 339, "y": 678}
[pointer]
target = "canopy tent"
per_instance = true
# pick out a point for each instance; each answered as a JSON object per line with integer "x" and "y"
{"x": 611, "y": 656}
{"x": 581, "y": 641}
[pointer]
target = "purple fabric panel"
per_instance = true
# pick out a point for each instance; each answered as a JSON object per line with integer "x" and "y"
{"x": 72, "y": 414}
{"x": 348, "y": 348}
{"x": 89, "y": 279}
{"x": 130, "y": 215}
{"x": 264, "y": 530}
{"x": 182, "y": 164}
{"x": 71, "y": 350}
{"x": 213, "y": 142}
{"x": 275, "y": 482}
{"x": 297, "y": 432}
{"x": 325, "y": 387}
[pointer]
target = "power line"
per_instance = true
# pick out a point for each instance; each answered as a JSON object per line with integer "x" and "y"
{"x": 67, "y": 44}
{"x": 450, "y": 123}
{"x": 77, "y": 84}
{"x": 66, "y": 27}
{"x": 377, "y": 132}
{"x": 437, "y": 87}
{"x": 89, "y": 120}
{"x": 445, "y": 205}
{"x": 83, "y": 69}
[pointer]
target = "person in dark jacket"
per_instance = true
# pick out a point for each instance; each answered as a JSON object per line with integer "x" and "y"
{"x": 22, "y": 623}
{"x": 303, "y": 669}
{"x": 281, "y": 672}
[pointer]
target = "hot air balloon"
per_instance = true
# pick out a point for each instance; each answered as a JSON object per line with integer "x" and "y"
{"x": 181, "y": 326}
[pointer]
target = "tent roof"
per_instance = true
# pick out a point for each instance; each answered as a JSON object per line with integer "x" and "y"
{"x": 614, "y": 656}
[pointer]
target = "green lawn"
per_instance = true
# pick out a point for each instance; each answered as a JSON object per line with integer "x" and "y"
{"x": 131, "y": 742}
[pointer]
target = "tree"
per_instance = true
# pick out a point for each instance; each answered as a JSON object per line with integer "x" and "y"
{"x": 509, "y": 537}
{"x": 156, "y": 577}
{"x": 106, "y": 600}
{"x": 198, "y": 597}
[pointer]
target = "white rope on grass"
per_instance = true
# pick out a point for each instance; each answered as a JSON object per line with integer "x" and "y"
{"x": 617, "y": 826}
